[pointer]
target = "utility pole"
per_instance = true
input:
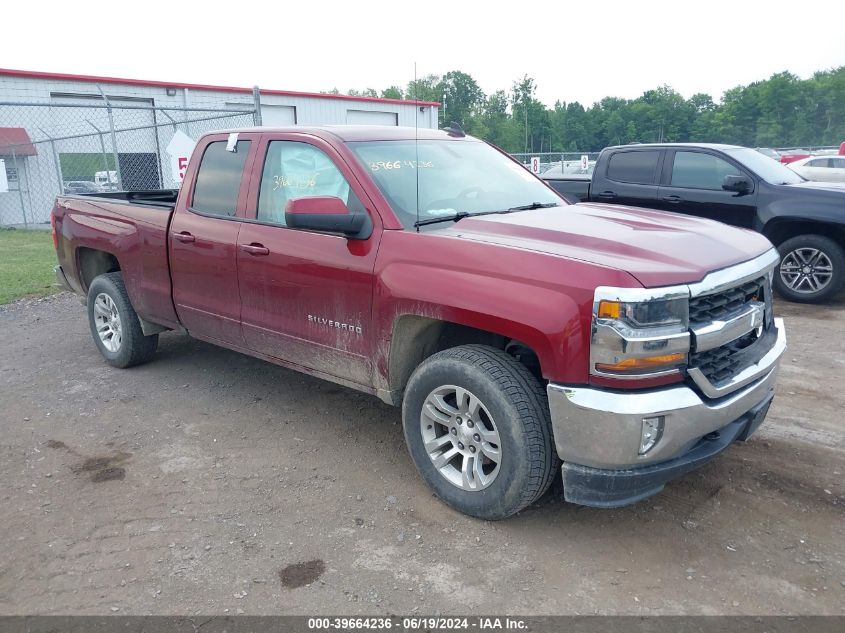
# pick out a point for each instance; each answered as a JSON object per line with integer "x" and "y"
{"x": 525, "y": 107}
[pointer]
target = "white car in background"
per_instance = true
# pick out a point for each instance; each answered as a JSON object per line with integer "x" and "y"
{"x": 569, "y": 167}
{"x": 106, "y": 180}
{"x": 820, "y": 168}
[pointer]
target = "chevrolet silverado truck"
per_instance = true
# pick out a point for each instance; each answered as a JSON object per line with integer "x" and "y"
{"x": 522, "y": 336}
{"x": 735, "y": 185}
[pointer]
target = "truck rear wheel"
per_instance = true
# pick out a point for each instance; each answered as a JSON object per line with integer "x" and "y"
{"x": 478, "y": 428}
{"x": 115, "y": 325}
{"x": 811, "y": 270}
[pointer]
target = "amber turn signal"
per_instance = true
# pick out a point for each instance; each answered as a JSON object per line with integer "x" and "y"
{"x": 609, "y": 309}
{"x": 635, "y": 364}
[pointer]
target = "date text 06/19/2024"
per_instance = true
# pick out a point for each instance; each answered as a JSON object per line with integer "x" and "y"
{"x": 416, "y": 623}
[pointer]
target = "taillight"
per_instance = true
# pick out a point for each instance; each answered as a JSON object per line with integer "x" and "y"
{"x": 53, "y": 230}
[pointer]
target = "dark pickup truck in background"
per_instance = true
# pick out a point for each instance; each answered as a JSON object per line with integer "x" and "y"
{"x": 735, "y": 185}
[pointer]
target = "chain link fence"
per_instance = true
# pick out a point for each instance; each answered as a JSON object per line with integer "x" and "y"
{"x": 569, "y": 163}
{"x": 89, "y": 145}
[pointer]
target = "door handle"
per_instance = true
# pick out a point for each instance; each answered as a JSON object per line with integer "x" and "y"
{"x": 673, "y": 199}
{"x": 607, "y": 195}
{"x": 184, "y": 237}
{"x": 255, "y": 249}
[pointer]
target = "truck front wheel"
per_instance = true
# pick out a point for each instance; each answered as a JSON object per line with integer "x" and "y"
{"x": 811, "y": 270}
{"x": 478, "y": 428}
{"x": 115, "y": 325}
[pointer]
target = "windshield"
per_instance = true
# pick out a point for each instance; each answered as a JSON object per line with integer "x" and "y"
{"x": 454, "y": 177}
{"x": 769, "y": 170}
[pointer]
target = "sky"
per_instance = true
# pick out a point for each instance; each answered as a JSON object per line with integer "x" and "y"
{"x": 575, "y": 51}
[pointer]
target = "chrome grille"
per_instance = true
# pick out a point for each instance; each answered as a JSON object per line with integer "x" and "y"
{"x": 717, "y": 306}
{"x": 721, "y": 364}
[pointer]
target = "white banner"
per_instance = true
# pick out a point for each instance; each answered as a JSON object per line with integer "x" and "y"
{"x": 4, "y": 182}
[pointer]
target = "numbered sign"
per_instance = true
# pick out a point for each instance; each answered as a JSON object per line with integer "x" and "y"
{"x": 180, "y": 148}
{"x": 535, "y": 164}
{"x": 585, "y": 162}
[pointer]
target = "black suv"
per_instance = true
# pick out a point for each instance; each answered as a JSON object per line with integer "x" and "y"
{"x": 735, "y": 185}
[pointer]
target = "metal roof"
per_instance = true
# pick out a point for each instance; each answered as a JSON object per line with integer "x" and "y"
{"x": 15, "y": 140}
{"x": 33, "y": 74}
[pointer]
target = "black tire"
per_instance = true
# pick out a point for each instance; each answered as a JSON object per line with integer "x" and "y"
{"x": 519, "y": 407}
{"x": 134, "y": 348}
{"x": 802, "y": 294}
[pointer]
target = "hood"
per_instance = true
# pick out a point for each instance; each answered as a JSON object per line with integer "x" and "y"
{"x": 658, "y": 248}
{"x": 814, "y": 185}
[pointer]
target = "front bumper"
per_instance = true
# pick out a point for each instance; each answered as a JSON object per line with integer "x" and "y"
{"x": 605, "y": 488}
{"x": 598, "y": 431}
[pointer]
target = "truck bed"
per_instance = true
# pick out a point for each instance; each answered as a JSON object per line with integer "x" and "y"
{"x": 573, "y": 187}
{"x": 121, "y": 230}
{"x": 164, "y": 198}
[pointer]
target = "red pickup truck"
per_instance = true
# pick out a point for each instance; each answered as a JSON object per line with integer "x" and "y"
{"x": 522, "y": 336}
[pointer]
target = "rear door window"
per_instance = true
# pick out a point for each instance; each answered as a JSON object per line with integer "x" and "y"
{"x": 694, "y": 170}
{"x": 638, "y": 167}
{"x": 219, "y": 179}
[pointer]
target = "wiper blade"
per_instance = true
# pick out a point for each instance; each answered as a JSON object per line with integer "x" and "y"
{"x": 460, "y": 215}
{"x": 534, "y": 205}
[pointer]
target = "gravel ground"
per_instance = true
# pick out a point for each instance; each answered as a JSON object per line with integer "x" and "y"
{"x": 209, "y": 482}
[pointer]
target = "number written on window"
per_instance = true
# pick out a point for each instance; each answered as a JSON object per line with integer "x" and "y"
{"x": 298, "y": 170}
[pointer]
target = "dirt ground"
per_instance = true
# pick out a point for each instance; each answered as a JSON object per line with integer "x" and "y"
{"x": 209, "y": 482}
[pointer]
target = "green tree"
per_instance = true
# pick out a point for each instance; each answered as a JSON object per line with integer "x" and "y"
{"x": 671, "y": 115}
{"x": 426, "y": 88}
{"x": 462, "y": 97}
{"x": 393, "y": 92}
{"x": 782, "y": 110}
{"x": 494, "y": 123}
{"x": 531, "y": 115}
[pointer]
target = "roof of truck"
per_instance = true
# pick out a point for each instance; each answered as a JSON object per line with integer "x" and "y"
{"x": 357, "y": 132}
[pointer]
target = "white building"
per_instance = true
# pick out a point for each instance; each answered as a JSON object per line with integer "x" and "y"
{"x": 56, "y": 130}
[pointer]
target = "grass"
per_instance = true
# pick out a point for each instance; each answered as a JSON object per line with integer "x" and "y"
{"x": 26, "y": 265}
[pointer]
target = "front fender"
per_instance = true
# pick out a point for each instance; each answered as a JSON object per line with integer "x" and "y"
{"x": 545, "y": 319}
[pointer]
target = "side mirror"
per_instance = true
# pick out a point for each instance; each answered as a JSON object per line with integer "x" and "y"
{"x": 739, "y": 184}
{"x": 328, "y": 214}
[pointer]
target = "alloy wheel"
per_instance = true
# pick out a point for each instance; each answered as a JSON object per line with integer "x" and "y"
{"x": 107, "y": 320}
{"x": 806, "y": 270}
{"x": 460, "y": 438}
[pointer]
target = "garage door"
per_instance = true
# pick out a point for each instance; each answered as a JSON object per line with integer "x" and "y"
{"x": 371, "y": 117}
{"x": 278, "y": 115}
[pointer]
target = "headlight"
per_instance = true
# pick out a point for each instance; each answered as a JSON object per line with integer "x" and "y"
{"x": 639, "y": 333}
{"x": 673, "y": 312}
